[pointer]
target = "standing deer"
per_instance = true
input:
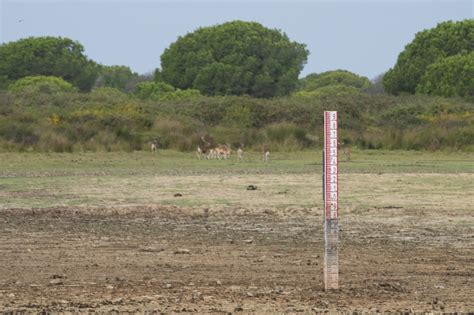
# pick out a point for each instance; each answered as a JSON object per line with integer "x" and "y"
{"x": 205, "y": 147}
{"x": 199, "y": 153}
{"x": 154, "y": 146}
{"x": 346, "y": 149}
{"x": 240, "y": 152}
{"x": 223, "y": 151}
{"x": 266, "y": 153}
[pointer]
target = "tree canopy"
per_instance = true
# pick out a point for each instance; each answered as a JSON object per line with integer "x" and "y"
{"x": 429, "y": 46}
{"x": 452, "y": 76}
{"x": 234, "y": 58}
{"x": 316, "y": 81}
{"x": 47, "y": 56}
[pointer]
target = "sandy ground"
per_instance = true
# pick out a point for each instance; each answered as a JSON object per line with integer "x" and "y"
{"x": 250, "y": 258}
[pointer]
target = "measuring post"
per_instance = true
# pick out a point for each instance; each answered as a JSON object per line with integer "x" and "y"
{"x": 330, "y": 195}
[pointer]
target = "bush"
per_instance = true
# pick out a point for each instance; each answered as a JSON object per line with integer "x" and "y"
{"x": 287, "y": 136}
{"x": 106, "y": 119}
{"x": 175, "y": 134}
{"x": 55, "y": 142}
{"x": 161, "y": 91}
{"x": 41, "y": 84}
{"x": 18, "y": 133}
{"x": 345, "y": 78}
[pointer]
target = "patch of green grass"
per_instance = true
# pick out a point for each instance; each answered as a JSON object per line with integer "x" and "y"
{"x": 290, "y": 179}
{"x": 178, "y": 163}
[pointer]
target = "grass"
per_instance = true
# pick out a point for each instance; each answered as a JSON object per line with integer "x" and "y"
{"x": 370, "y": 179}
{"x": 178, "y": 163}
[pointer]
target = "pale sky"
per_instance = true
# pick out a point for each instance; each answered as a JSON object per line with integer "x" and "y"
{"x": 364, "y": 37}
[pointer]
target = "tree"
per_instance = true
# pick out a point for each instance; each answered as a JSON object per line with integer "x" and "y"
{"x": 43, "y": 84}
{"x": 117, "y": 77}
{"x": 429, "y": 46}
{"x": 234, "y": 58}
{"x": 47, "y": 56}
{"x": 448, "y": 77}
{"x": 315, "y": 81}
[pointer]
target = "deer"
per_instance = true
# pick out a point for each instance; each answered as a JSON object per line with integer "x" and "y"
{"x": 199, "y": 152}
{"x": 212, "y": 154}
{"x": 223, "y": 151}
{"x": 346, "y": 149}
{"x": 154, "y": 146}
{"x": 205, "y": 147}
{"x": 240, "y": 152}
{"x": 266, "y": 153}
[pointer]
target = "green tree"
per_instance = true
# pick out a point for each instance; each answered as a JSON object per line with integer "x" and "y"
{"x": 42, "y": 84}
{"x": 234, "y": 58}
{"x": 452, "y": 76}
{"x": 315, "y": 81}
{"x": 117, "y": 77}
{"x": 429, "y": 46}
{"x": 47, "y": 56}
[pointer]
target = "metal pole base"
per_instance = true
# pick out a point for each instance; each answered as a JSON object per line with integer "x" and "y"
{"x": 331, "y": 264}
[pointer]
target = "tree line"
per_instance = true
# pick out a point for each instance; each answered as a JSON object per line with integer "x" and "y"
{"x": 246, "y": 58}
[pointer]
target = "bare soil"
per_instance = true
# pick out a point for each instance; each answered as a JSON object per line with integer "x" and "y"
{"x": 234, "y": 259}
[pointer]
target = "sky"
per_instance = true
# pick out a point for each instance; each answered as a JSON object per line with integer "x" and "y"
{"x": 364, "y": 37}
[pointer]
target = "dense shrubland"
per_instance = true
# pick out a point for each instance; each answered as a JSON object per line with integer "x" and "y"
{"x": 107, "y": 119}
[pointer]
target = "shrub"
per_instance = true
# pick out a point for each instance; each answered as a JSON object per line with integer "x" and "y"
{"x": 41, "y": 84}
{"x": 161, "y": 91}
{"x": 316, "y": 81}
{"x": 107, "y": 119}
{"x": 55, "y": 142}
{"x": 287, "y": 136}
{"x": 19, "y": 133}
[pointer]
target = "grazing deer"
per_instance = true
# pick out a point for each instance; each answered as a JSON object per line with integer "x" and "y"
{"x": 223, "y": 151}
{"x": 266, "y": 153}
{"x": 346, "y": 149}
